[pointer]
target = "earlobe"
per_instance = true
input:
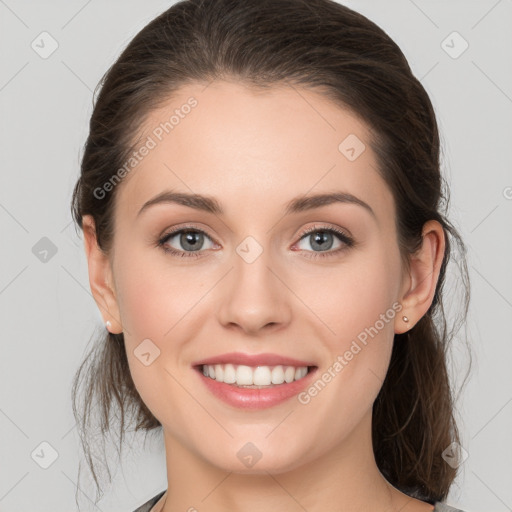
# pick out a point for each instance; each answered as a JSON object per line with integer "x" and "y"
{"x": 424, "y": 270}
{"x": 100, "y": 277}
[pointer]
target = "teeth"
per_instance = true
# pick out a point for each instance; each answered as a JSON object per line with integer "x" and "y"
{"x": 262, "y": 376}
{"x": 248, "y": 376}
{"x": 289, "y": 374}
{"x": 278, "y": 375}
{"x": 229, "y": 374}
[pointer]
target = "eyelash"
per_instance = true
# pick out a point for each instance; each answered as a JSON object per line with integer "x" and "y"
{"x": 343, "y": 237}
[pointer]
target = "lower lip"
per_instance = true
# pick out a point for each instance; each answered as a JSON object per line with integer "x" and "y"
{"x": 254, "y": 398}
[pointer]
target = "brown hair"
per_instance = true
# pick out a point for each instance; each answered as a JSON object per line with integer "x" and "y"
{"x": 325, "y": 46}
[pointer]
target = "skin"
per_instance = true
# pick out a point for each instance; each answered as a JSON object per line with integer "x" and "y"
{"x": 254, "y": 151}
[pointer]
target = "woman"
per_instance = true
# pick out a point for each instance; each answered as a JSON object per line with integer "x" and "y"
{"x": 261, "y": 202}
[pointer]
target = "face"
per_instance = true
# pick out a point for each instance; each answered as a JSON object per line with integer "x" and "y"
{"x": 277, "y": 283}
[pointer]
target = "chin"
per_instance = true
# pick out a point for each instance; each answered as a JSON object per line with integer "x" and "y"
{"x": 248, "y": 459}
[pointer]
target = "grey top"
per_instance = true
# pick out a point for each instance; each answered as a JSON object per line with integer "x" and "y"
{"x": 151, "y": 503}
{"x": 443, "y": 507}
{"x": 438, "y": 506}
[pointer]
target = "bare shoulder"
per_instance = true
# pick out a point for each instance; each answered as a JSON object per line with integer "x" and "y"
{"x": 408, "y": 504}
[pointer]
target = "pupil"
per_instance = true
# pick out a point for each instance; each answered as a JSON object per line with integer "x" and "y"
{"x": 188, "y": 238}
{"x": 320, "y": 241}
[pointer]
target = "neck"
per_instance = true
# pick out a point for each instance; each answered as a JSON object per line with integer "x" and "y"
{"x": 347, "y": 478}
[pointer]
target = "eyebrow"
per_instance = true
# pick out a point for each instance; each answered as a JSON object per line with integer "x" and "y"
{"x": 296, "y": 205}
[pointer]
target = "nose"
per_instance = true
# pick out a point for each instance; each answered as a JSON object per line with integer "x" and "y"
{"x": 254, "y": 298}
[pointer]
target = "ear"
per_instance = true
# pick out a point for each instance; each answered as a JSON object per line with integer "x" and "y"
{"x": 101, "y": 277}
{"x": 419, "y": 287}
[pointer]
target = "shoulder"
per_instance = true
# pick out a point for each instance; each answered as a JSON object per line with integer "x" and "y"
{"x": 443, "y": 507}
{"x": 146, "y": 507}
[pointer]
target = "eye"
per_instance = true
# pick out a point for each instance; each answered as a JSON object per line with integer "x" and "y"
{"x": 190, "y": 239}
{"x": 322, "y": 238}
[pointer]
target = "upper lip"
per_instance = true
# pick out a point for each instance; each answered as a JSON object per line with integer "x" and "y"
{"x": 253, "y": 360}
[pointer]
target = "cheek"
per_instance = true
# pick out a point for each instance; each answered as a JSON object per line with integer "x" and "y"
{"x": 360, "y": 310}
{"x": 353, "y": 296}
{"x": 154, "y": 295}
{"x": 360, "y": 314}
{"x": 157, "y": 301}
{"x": 153, "y": 312}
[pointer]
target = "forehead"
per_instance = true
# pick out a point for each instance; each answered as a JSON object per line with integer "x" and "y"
{"x": 251, "y": 148}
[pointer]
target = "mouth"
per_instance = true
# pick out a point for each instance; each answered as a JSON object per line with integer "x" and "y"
{"x": 255, "y": 386}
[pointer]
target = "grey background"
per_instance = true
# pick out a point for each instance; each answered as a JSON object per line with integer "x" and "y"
{"x": 48, "y": 314}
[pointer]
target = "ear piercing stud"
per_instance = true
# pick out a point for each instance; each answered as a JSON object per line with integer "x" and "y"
{"x": 108, "y": 324}
{"x": 405, "y": 319}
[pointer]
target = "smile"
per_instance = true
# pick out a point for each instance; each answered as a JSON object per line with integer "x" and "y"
{"x": 254, "y": 381}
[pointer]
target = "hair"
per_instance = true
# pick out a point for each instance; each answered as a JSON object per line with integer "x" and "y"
{"x": 331, "y": 49}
